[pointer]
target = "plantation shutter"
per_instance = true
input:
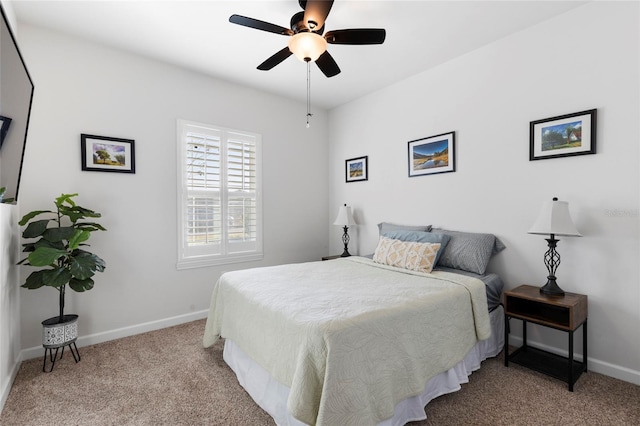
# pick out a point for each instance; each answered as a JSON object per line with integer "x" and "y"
{"x": 203, "y": 221}
{"x": 241, "y": 193}
{"x": 220, "y": 214}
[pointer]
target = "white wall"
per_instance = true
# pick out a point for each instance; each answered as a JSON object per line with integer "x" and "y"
{"x": 586, "y": 58}
{"x": 82, "y": 87}
{"x": 9, "y": 290}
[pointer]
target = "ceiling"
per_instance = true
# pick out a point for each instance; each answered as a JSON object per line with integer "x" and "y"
{"x": 198, "y": 35}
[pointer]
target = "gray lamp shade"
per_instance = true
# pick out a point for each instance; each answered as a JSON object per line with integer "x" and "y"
{"x": 345, "y": 217}
{"x": 554, "y": 218}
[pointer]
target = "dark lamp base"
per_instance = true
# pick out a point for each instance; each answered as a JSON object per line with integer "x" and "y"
{"x": 551, "y": 288}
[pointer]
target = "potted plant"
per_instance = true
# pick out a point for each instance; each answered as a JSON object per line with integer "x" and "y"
{"x": 59, "y": 247}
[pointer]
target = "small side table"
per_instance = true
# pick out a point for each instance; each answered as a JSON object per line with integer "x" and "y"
{"x": 335, "y": 256}
{"x": 566, "y": 313}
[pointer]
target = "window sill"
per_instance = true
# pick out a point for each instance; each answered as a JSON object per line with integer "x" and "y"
{"x": 206, "y": 261}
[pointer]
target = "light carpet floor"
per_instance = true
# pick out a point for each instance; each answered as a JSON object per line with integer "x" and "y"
{"x": 166, "y": 377}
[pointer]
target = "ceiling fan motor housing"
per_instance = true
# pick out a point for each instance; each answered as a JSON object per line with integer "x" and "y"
{"x": 298, "y": 25}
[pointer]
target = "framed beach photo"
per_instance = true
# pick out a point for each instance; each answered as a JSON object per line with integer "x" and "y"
{"x": 435, "y": 154}
{"x": 563, "y": 136}
{"x": 107, "y": 154}
{"x": 356, "y": 169}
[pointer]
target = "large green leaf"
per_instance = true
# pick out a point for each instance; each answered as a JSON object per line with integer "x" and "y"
{"x": 28, "y": 247}
{"x": 90, "y": 226}
{"x": 34, "y": 280}
{"x": 27, "y": 217}
{"x": 81, "y": 285}
{"x": 87, "y": 212}
{"x": 35, "y": 229}
{"x": 100, "y": 264}
{"x": 80, "y": 236}
{"x": 43, "y": 256}
{"x": 44, "y": 243}
{"x": 59, "y": 234}
{"x": 84, "y": 265}
{"x": 56, "y": 277}
{"x": 65, "y": 198}
{"x": 76, "y": 212}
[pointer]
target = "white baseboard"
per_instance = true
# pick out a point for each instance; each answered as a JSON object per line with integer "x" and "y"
{"x": 106, "y": 336}
{"x": 595, "y": 365}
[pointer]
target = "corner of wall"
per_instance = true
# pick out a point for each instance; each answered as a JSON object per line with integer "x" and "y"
{"x": 9, "y": 299}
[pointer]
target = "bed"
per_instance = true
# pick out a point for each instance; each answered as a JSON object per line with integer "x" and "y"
{"x": 356, "y": 340}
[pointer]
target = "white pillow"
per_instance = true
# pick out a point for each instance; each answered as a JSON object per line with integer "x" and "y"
{"x": 409, "y": 255}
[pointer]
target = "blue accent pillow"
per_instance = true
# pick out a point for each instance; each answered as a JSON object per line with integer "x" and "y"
{"x": 421, "y": 237}
{"x": 384, "y": 227}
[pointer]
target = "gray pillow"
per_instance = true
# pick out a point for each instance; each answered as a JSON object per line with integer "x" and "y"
{"x": 384, "y": 227}
{"x": 469, "y": 251}
{"x": 421, "y": 237}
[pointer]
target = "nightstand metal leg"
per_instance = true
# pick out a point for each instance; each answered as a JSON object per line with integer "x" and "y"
{"x": 505, "y": 351}
{"x": 584, "y": 345}
{"x": 570, "y": 376}
{"x": 524, "y": 335}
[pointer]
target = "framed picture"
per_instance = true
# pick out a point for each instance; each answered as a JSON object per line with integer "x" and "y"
{"x": 356, "y": 169}
{"x": 435, "y": 154}
{"x": 5, "y": 122}
{"x": 563, "y": 136}
{"x": 106, "y": 154}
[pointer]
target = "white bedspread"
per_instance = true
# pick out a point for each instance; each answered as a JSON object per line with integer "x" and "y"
{"x": 349, "y": 337}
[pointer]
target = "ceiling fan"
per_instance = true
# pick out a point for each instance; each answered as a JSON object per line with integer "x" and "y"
{"x": 307, "y": 42}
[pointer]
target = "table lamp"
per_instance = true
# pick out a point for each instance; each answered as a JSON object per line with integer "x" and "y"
{"x": 554, "y": 219}
{"x": 345, "y": 219}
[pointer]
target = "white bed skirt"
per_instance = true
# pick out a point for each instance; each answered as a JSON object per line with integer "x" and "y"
{"x": 272, "y": 396}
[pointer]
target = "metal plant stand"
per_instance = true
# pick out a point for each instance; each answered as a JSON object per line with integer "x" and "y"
{"x": 54, "y": 356}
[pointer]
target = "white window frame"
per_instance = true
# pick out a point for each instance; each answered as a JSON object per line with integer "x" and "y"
{"x": 215, "y": 254}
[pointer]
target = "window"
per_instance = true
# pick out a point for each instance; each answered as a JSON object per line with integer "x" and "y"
{"x": 220, "y": 209}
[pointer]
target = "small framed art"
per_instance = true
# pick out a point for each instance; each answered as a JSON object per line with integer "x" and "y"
{"x": 563, "y": 136}
{"x": 434, "y": 154}
{"x": 107, "y": 154}
{"x": 356, "y": 169}
{"x": 5, "y": 122}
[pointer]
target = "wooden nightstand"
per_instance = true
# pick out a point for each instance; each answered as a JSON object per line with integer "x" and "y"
{"x": 335, "y": 256}
{"x": 565, "y": 313}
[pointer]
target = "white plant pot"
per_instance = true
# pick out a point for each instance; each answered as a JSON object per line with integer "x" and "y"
{"x": 56, "y": 334}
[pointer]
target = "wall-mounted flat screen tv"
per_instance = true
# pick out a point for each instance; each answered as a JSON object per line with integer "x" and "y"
{"x": 16, "y": 95}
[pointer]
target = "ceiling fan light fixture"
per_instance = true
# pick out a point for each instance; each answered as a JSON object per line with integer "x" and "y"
{"x": 307, "y": 45}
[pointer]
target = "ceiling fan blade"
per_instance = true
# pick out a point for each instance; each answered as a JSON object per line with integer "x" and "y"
{"x": 316, "y": 12}
{"x": 259, "y": 25}
{"x": 275, "y": 59}
{"x": 328, "y": 65}
{"x": 356, "y": 36}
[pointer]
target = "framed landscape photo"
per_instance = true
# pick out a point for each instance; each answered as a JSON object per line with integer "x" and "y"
{"x": 435, "y": 154}
{"x": 563, "y": 136}
{"x": 107, "y": 154}
{"x": 356, "y": 169}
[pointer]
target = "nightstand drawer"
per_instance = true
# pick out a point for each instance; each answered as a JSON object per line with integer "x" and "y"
{"x": 537, "y": 311}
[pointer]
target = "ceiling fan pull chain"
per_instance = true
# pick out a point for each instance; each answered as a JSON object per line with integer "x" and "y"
{"x": 308, "y": 93}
